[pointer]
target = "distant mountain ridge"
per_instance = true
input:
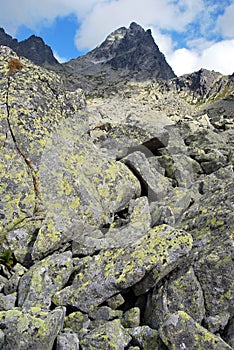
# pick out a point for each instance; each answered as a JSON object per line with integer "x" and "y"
{"x": 127, "y": 54}
{"x": 32, "y": 48}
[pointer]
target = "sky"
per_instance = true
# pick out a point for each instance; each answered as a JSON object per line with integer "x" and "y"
{"x": 192, "y": 34}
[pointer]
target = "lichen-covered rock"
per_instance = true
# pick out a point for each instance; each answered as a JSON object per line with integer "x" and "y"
{"x": 120, "y": 139}
{"x": 145, "y": 262}
{"x": 154, "y": 184}
{"x": 11, "y": 286}
{"x": 229, "y": 333}
{"x": 144, "y": 337}
{"x": 161, "y": 214}
{"x": 7, "y": 302}
{"x": 16, "y": 191}
{"x": 215, "y": 273}
{"x": 124, "y": 230}
{"x": 115, "y": 301}
{"x": 38, "y": 285}
{"x": 211, "y": 220}
{"x": 77, "y": 322}
{"x": 217, "y": 323}
{"x": 67, "y": 341}
{"x": 181, "y": 292}
{"x": 34, "y": 329}
{"x": 171, "y": 208}
{"x": 105, "y": 313}
{"x": 3, "y": 281}
{"x": 131, "y": 318}
{"x": 181, "y": 168}
{"x": 79, "y": 186}
{"x": 180, "y": 331}
{"x": 111, "y": 335}
{"x": 33, "y": 103}
{"x": 20, "y": 240}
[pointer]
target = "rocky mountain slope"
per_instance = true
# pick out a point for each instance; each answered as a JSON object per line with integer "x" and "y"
{"x": 116, "y": 210}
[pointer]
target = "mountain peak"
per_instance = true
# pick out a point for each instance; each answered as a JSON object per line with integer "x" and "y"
{"x": 133, "y": 49}
{"x": 32, "y": 48}
{"x": 135, "y": 27}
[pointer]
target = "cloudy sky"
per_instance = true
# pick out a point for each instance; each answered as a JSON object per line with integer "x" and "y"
{"x": 192, "y": 34}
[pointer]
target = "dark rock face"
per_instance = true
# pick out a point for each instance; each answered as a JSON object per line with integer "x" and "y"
{"x": 7, "y": 40}
{"x": 202, "y": 84}
{"x": 36, "y": 50}
{"x": 134, "y": 49}
{"x": 32, "y": 48}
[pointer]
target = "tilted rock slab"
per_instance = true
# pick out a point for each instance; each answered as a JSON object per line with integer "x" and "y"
{"x": 105, "y": 274}
{"x": 39, "y": 284}
{"x": 180, "y": 331}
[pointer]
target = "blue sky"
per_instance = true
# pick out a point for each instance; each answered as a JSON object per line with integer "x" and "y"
{"x": 192, "y": 34}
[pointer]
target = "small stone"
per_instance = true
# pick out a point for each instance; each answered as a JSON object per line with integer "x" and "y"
{"x": 7, "y": 302}
{"x": 131, "y": 318}
{"x": 67, "y": 341}
{"x": 111, "y": 335}
{"x": 115, "y": 301}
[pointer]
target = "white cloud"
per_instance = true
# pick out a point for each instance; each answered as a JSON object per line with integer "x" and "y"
{"x": 107, "y": 16}
{"x": 59, "y": 58}
{"x": 35, "y": 14}
{"x": 225, "y": 22}
{"x": 218, "y": 57}
{"x": 183, "y": 61}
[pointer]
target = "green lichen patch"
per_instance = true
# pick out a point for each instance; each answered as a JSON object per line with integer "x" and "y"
{"x": 109, "y": 336}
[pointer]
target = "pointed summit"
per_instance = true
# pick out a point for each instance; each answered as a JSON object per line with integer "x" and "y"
{"x": 127, "y": 51}
{"x": 134, "y": 49}
{"x": 37, "y": 51}
{"x": 32, "y": 48}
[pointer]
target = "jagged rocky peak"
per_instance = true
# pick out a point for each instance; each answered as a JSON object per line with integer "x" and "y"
{"x": 204, "y": 84}
{"x": 130, "y": 51}
{"x": 32, "y": 48}
{"x": 37, "y": 51}
{"x": 7, "y": 40}
{"x": 134, "y": 49}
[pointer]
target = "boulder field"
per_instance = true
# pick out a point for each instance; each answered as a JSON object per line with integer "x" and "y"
{"x": 116, "y": 215}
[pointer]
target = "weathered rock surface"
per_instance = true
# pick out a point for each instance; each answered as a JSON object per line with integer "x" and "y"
{"x": 149, "y": 258}
{"x": 180, "y": 331}
{"x": 116, "y": 209}
{"x": 32, "y": 329}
